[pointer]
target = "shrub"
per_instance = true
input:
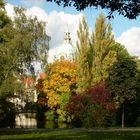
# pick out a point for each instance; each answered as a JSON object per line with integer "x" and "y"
{"x": 93, "y": 108}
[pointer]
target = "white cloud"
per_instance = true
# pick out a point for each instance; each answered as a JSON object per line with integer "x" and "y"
{"x": 29, "y": 3}
{"x": 131, "y": 40}
{"x": 10, "y": 10}
{"x": 57, "y": 24}
{"x": 38, "y": 12}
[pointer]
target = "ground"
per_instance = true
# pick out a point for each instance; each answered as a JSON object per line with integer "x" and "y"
{"x": 71, "y": 134}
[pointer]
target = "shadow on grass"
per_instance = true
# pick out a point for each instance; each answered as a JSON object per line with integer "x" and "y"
{"x": 69, "y": 135}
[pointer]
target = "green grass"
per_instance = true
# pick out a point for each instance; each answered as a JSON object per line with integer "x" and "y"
{"x": 70, "y": 134}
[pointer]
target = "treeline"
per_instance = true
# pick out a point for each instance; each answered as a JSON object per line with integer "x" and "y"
{"x": 100, "y": 88}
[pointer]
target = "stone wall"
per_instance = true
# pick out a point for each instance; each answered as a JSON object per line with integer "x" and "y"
{"x": 25, "y": 120}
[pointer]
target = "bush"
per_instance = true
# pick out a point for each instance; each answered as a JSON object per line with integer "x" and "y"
{"x": 93, "y": 108}
{"x": 7, "y": 114}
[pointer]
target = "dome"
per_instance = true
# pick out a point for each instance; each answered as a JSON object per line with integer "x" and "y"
{"x": 65, "y": 51}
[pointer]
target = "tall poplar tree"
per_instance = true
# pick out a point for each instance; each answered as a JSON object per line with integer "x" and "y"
{"x": 95, "y": 55}
{"x": 104, "y": 55}
{"x": 83, "y": 56}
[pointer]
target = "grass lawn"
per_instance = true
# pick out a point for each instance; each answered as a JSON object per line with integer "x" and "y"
{"x": 70, "y": 134}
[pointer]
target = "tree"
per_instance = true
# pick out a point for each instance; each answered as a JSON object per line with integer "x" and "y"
{"x": 84, "y": 56}
{"x": 94, "y": 55}
{"x": 92, "y": 108}
{"x": 31, "y": 39}
{"x": 104, "y": 55}
{"x": 19, "y": 40}
{"x": 129, "y": 9}
{"x": 122, "y": 83}
{"x": 58, "y": 86}
{"x": 125, "y": 69}
{"x": 138, "y": 63}
{"x": 21, "y": 43}
{"x": 60, "y": 79}
{"x": 121, "y": 51}
{"x": 7, "y": 85}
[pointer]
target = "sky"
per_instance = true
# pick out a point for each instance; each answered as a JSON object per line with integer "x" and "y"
{"x": 60, "y": 20}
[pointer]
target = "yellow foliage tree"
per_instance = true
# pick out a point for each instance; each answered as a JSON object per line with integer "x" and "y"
{"x": 60, "y": 80}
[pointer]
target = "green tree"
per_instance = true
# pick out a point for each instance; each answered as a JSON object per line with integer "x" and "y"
{"x": 95, "y": 55}
{"x": 123, "y": 82}
{"x": 84, "y": 56}
{"x": 20, "y": 42}
{"x": 104, "y": 55}
{"x": 138, "y": 64}
{"x": 127, "y": 8}
{"x": 121, "y": 51}
{"x": 6, "y": 88}
{"x": 30, "y": 39}
{"x": 30, "y": 45}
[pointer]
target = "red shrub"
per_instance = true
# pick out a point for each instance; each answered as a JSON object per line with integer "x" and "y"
{"x": 100, "y": 95}
{"x": 93, "y": 107}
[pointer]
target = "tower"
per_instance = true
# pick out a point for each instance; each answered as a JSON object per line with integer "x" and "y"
{"x": 67, "y": 38}
{"x": 66, "y": 50}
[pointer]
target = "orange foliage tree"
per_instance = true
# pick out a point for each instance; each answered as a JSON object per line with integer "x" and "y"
{"x": 58, "y": 85}
{"x": 61, "y": 77}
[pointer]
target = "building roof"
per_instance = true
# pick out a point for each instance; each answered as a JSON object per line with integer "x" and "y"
{"x": 66, "y": 50}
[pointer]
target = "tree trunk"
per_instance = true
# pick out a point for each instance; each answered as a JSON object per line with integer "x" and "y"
{"x": 55, "y": 120}
{"x": 123, "y": 116}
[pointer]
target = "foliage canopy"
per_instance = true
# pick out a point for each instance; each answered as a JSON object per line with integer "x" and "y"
{"x": 127, "y": 8}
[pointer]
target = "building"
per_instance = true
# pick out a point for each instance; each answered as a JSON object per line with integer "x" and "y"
{"x": 66, "y": 50}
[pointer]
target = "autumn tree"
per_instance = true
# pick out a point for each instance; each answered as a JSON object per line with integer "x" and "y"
{"x": 58, "y": 86}
{"x": 93, "y": 108}
{"x": 61, "y": 76}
